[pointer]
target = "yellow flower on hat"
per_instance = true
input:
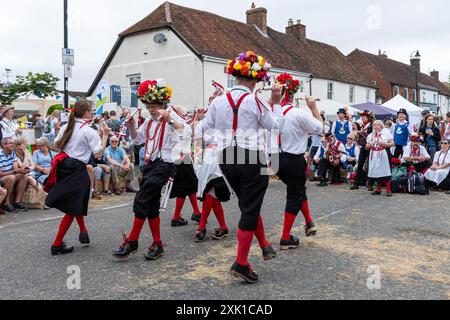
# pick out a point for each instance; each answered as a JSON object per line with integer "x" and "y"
{"x": 254, "y": 74}
{"x": 237, "y": 66}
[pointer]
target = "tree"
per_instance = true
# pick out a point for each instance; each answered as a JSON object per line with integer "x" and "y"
{"x": 448, "y": 83}
{"x": 41, "y": 85}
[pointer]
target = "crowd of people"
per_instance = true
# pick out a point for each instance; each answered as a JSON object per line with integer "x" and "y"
{"x": 25, "y": 166}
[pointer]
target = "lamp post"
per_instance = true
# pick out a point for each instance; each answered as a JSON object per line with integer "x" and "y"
{"x": 66, "y": 45}
{"x": 415, "y": 57}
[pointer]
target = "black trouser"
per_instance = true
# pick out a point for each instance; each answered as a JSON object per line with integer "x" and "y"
{"x": 361, "y": 176}
{"x": 147, "y": 200}
{"x": 248, "y": 183}
{"x": 421, "y": 166}
{"x": 292, "y": 172}
{"x": 324, "y": 166}
{"x": 398, "y": 153}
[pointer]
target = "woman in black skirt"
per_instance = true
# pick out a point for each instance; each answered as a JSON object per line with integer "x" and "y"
{"x": 68, "y": 185}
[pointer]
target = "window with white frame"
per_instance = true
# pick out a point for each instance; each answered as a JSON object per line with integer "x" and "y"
{"x": 302, "y": 86}
{"x": 134, "y": 80}
{"x": 367, "y": 95}
{"x": 231, "y": 81}
{"x": 414, "y": 92}
{"x": 435, "y": 98}
{"x": 405, "y": 93}
{"x": 396, "y": 90}
{"x": 330, "y": 93}
{"x": 351, "y": 94}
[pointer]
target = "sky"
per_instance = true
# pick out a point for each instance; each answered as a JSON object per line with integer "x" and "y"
{"x": 31, "y": 32}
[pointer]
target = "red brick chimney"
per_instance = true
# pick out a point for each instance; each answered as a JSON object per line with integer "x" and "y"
{"x": 257, "y": 17}
{"x": 435, "y": 75}
{"x": 298, "y": 30}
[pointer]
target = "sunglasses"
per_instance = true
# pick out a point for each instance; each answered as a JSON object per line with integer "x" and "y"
{"x": 444, "y": 142}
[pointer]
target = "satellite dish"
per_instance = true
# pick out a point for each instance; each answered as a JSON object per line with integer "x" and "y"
{"x": 159, "y": 38}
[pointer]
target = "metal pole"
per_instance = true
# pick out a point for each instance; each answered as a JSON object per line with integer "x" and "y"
{"x": 66, "y": 45}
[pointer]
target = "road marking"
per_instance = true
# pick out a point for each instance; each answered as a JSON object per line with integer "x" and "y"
{"x": 329, "y": 215}
{"x": 117, "y": 207}
{"x": 49, "y": 219}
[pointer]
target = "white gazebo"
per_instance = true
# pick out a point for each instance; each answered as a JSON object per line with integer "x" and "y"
{"x": 414, "y": 112}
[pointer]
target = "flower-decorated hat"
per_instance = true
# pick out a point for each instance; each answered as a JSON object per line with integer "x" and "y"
{"x": 155, "y": 92}
{"x": 416, "y": 137}
{"x": 292, "y": 86}
{"x": 249, "y": 65}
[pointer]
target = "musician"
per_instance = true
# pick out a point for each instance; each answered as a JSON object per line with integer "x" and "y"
{"x": 367, "y": 118}
{"x": 68, "y": 185}
{"x": 415, "y": 156}
{"x": 379, "y": 164}
{"x": 293, "y": 143}
{"x": 332, "y": 157}
{"x": 240, "y": 120}
{"x": 342, "y": 128}
{"x": 161, "y": 134}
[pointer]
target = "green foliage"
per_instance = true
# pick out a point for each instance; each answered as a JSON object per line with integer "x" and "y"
{"x": 56, "y": 107}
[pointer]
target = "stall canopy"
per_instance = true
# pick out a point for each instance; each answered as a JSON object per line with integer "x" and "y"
{"x": 379, "y": 111}
{"x": 331, "y": 107}
{"x": 398, "y": 102}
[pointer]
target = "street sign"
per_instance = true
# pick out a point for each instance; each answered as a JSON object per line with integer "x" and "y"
{"x": 68, "y": 71}
{"x": 68, "y": 57}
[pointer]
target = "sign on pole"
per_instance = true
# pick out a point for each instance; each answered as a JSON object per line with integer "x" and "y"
{"x": 68, "y": 71}
{"x": 68, "y": 57}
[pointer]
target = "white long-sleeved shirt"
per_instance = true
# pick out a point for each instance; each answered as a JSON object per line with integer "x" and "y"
{"x": 173, "y": 140}
{"x": 253, "y": 121}
{"x": 408, "y": 152}
{"x": 341, "y": 149}
{"x": 298, "y": 125}
{"x": 343, "y": 122}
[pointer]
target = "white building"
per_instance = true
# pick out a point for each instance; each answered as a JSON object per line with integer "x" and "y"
{"x": 190, "y": 48}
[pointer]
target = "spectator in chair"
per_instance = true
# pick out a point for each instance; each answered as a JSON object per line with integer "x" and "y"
{"x": 12, "y": 177}
{"x": 102, "y": 174}
{"x": 42, "y": 159}
{"x": 25, "y": 161}
{"x": 439, "y": 173}
{"x": 121, "y": 165}
{"x": 415, "y": 156}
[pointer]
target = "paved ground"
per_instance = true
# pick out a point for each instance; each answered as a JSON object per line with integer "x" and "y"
{"x": 406, "y": 237}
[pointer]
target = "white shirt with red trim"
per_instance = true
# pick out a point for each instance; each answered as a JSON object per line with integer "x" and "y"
{"x": 254, "y": 118}
{"x": 408, "y": 151}
{"x": 298, "y": 126}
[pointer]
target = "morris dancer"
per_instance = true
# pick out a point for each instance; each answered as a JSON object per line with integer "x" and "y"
{"x": 241, "y": 120}
{"x": 342, "y": 128}
{"x": 68, "y": 185}
{"x": 402, "y": 129}
{"x": 379, "y": 164}
{"x": 161, "y": 134}
{"x": 293, "y": 143}
{"x": 213, "y": 189}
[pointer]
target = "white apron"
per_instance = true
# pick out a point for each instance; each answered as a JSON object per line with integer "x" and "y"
{"x": 439, "y": 176}
{"x": 379, "y": 165}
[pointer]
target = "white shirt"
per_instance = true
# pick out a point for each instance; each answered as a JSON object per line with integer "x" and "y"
{"x": 200, "y": 134}
{"x": 333, "y": 127}
{"x": 9, "y": 128}
{"x": 341, "y": 148}
{"x": 447, "y": 131}
{"x": 407, "y": 152}
{"x": 173, "y": 140}
{"x": 252, "y": 121}
{"x": 84, "y": 142}
{"x": 298, "y": 125}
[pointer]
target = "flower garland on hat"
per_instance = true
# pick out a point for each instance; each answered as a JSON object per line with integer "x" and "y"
{"x": 292, "y": 86}
{"x": 155, "y": 92}
{"x": 249, "y": 65}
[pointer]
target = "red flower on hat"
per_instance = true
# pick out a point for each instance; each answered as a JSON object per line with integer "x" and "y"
{"x": 144, "y": 87}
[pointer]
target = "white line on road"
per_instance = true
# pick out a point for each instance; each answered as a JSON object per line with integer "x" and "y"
{"x": 49, "y": 219}
{"x": 329, "y": 215}
{"x": 117, "y": 207}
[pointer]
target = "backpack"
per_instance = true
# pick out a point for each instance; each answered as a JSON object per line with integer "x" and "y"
{"x": 48, "y": 127}
{"x": 416, "y": 184}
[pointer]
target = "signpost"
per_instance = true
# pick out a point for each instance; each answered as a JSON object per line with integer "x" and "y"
{"x": 69, "y": 60}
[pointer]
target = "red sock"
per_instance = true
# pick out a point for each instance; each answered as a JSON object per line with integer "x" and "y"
{"x": 305, "y": 211}
{"x": 137, "y": 228}
{"x": 379, "y": 185}
{"x": 194, "y": 203}
{"x": 155, "y": 229}
{"x": 260, "y": 234}
{"x": 64, "y": 226}
{"x": 80, "y": 221}
{"x": 289, "y": 219}
{"x": 220, "y": 215}
{"x": 244, "y": 243}
{"x": 206, "y": 210}
{"x": 388, "y": 186}
{"x": 178, "y": 207}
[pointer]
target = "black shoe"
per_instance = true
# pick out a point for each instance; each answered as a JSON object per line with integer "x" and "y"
{"x": 20, "y": 206}
{"x": 64, "y": 249}
{"x": 354, "y": 187}
{"x": 8, "y": 208}
{"x": 179, "y": 223}
{"x": 155, "y": 251}
{"x": 322, "y": 184}
{"x": 219, "y": 234}
{"x": 292, "y": 243}
{"x": 196, "y": 217}
{"x": 125, "y": 249}
{"x": 376, "y": 193}
{"x": 310, "y": 229}
{"x": 389, "y": 194}
{"x": 268, "y": 253}
{"x": 245, "y": 273}
{"x": 200, "y": 235}
{"x": 84, "y": 238}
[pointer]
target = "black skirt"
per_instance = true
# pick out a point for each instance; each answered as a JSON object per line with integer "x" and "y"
{"x": 72, "y": 191}
{"x": 185, "y": 182}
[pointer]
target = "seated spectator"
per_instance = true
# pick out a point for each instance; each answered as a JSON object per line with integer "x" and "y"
{"x": 439, "y": 173}
{"x": 415, "y": 156}
{"x": 42, "y": 159}
{"x": 102, "y": 174}
{"x": 12, "y": 178}
{"x": 352, "y": 151}
{"x": 121, "y": 165}
{"x": 331, "y": 157}
{"x": 25, "y": 160}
